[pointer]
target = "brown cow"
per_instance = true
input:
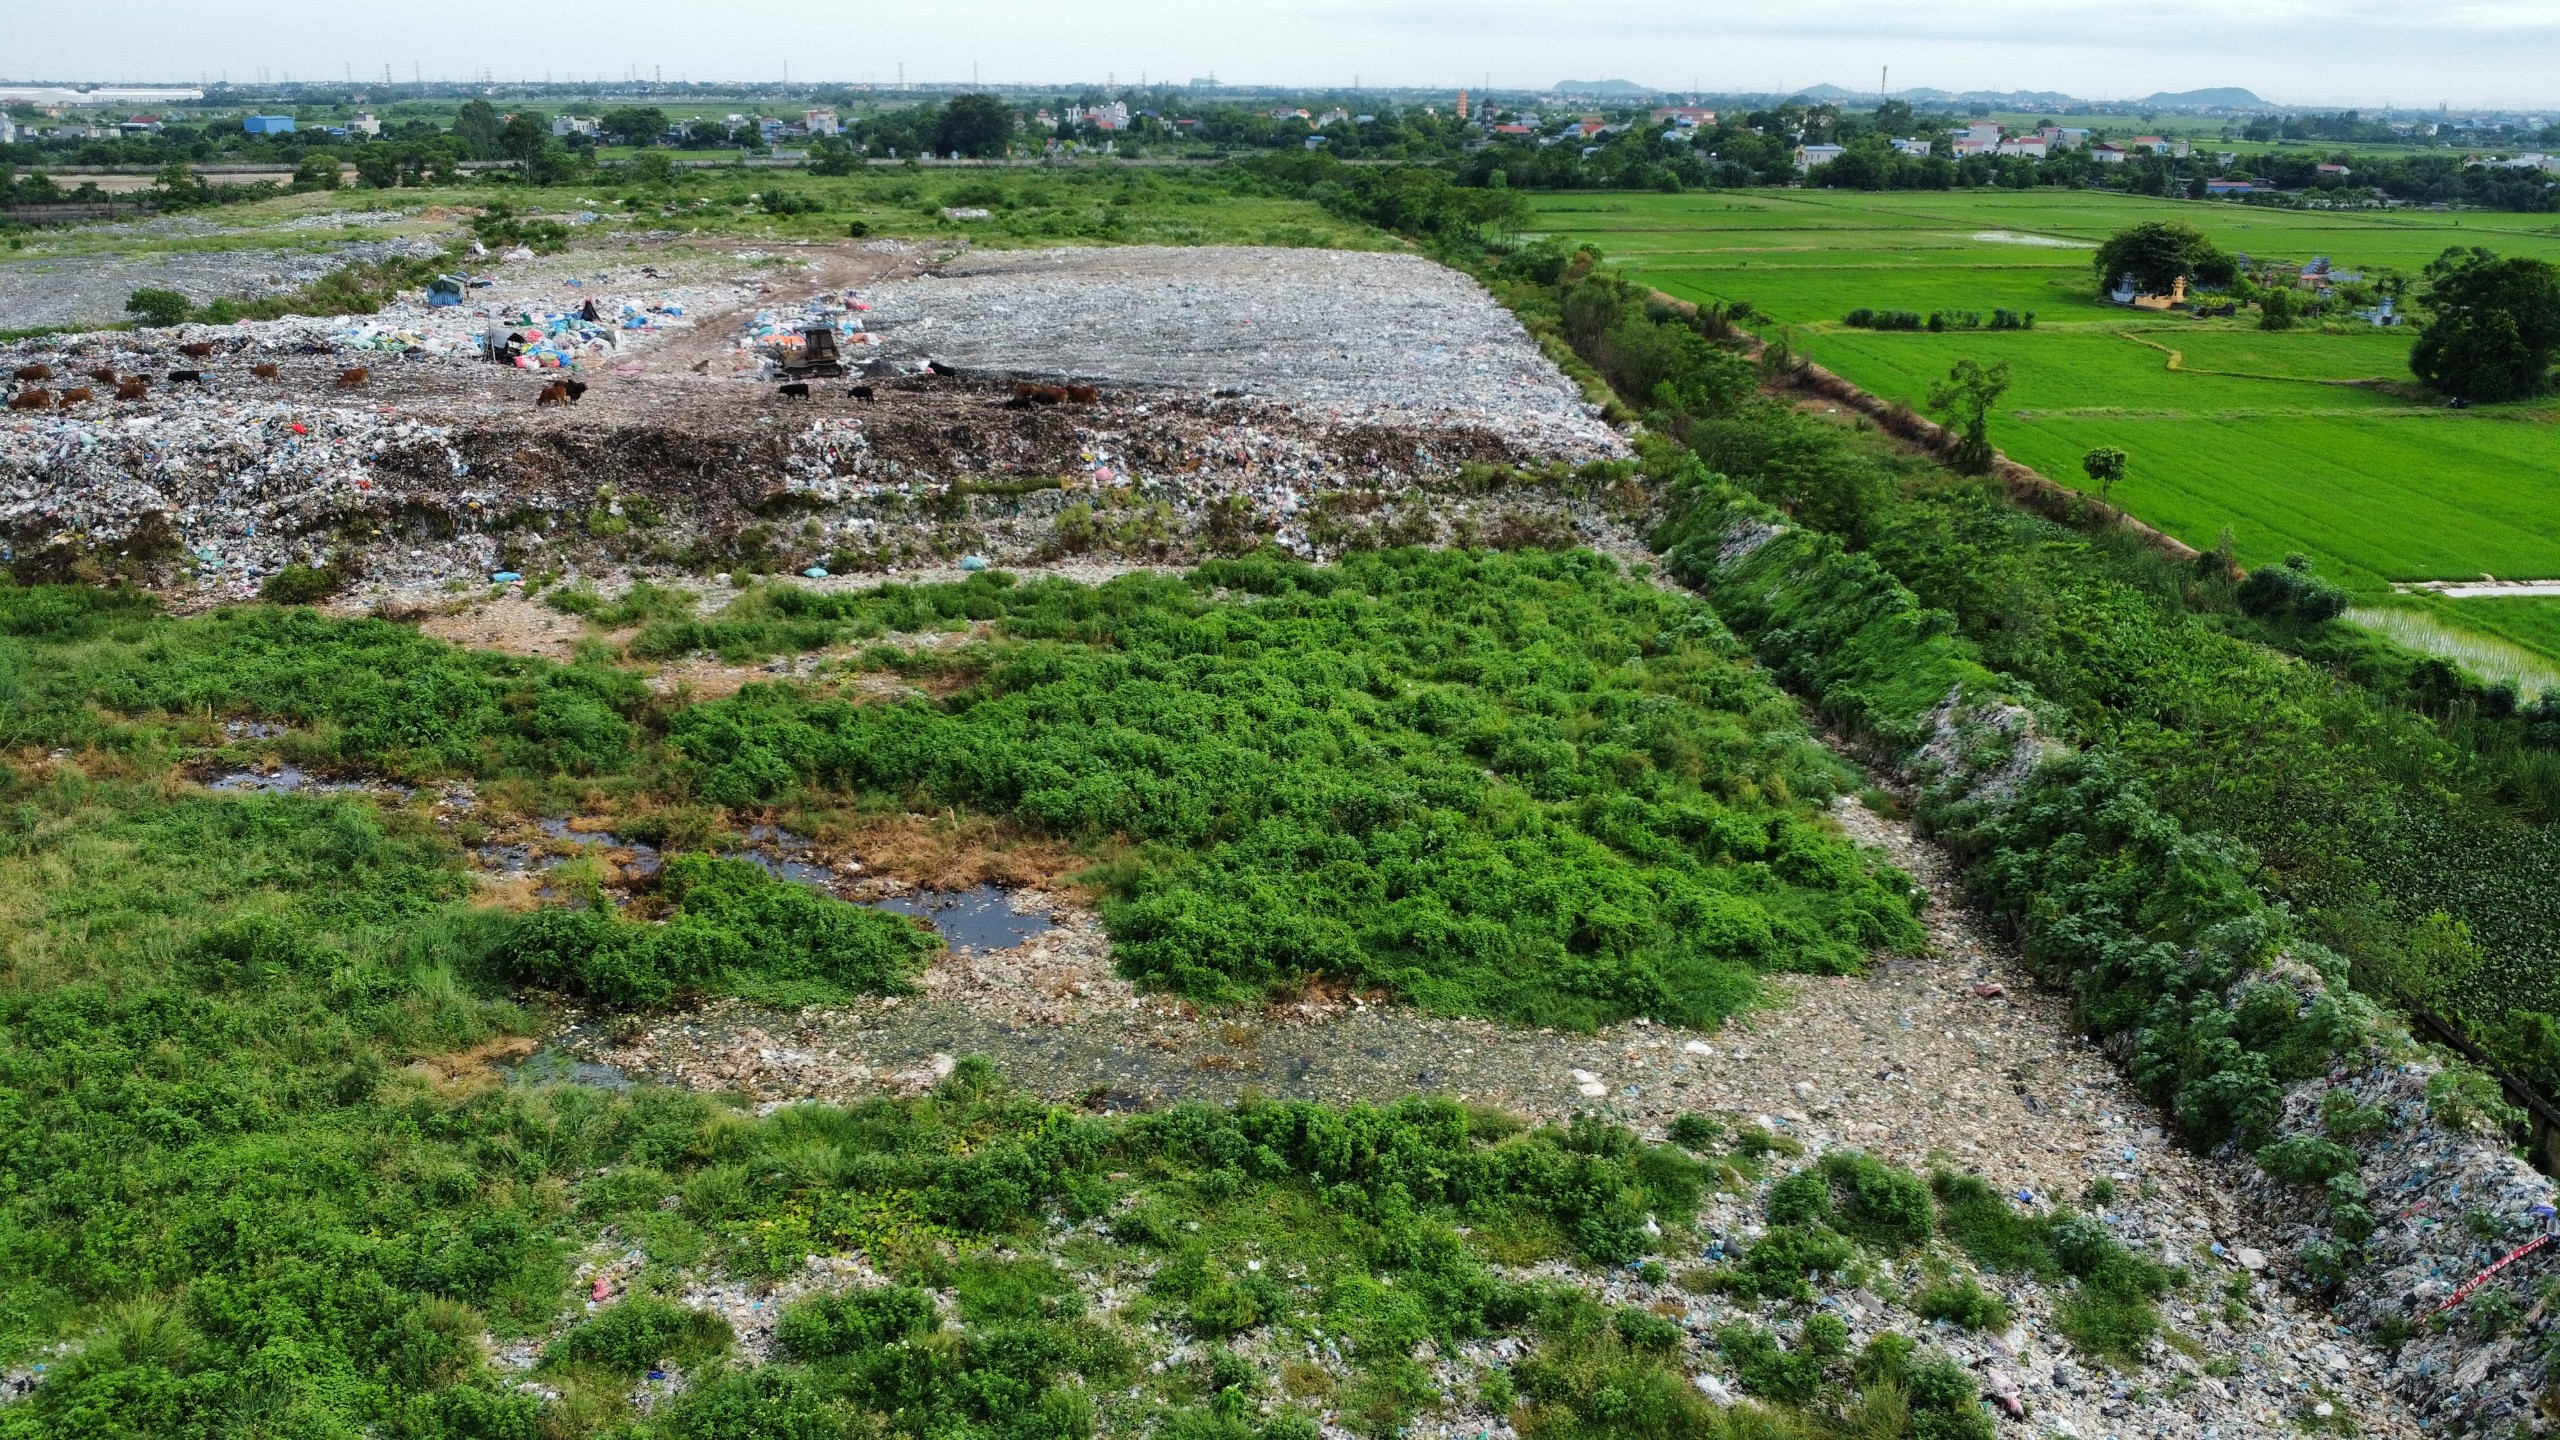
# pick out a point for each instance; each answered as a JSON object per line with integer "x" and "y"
{"x": 576, "y": 389}
{"x": 132, "y": 389}
{"x": 103, "y": 375}
{"x": 33, "y": 372}
{"x": 77, "y": 395}
{"x": 554, "y": 393}
{"x": 31, "y": 400}
{"x": 1083, "y": 394}
{"x": 196, "y": 350}
{"x": 1040, "y": 394}
{"x": 263, "y": 372}
{"x": 350, "y": 379}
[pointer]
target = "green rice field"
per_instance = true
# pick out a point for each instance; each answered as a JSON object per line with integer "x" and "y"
{"x": 2310, "y": 440}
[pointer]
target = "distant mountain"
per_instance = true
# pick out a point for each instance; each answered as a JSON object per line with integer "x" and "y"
{"x": 2002, "y": 99}
{"x": 2222, "y": 97}
{"x": 2226, "y": 97}
{"x": 1602, "y": 87}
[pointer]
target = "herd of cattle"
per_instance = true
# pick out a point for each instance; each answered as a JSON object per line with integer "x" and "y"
{"x": 33, "y": 389}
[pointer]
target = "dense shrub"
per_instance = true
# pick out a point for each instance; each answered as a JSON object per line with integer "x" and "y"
{"x": 735, "y": 928}
{"x": 1509, "y": 784}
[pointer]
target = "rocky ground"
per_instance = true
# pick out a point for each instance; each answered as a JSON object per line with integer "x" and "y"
{"x": 1949, "y": 1057}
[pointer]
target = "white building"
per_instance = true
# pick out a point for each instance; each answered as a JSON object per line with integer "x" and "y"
{"x": 8, "y": 129}
{"x": 821, "y": 120}
{"x": 1982, "y": 139}
{"x": 2064, "y": 137}
{"x": 2031, "y": 147}
{"x": 564, "y": 126}
{"x": 1808, "y": 156}
{"x": 364, "y": 124}
{"x": 1912, "y": 147}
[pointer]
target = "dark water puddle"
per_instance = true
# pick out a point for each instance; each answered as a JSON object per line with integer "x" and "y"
{"x": 553, "y": 1067}
{"x": 784, "y": 856}
{"x": 293, "y": 780}
{"x": 980, "y": 918}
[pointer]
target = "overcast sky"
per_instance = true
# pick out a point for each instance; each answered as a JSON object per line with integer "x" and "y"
{"x": 2406, "y": 52}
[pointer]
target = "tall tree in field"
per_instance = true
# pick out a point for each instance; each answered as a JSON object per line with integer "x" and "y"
{"x": 2495, "y": 325}
{"x": 1962, "y": 402}
{"x": 2160, "y": 253}
{"x": 2104, "y": 466}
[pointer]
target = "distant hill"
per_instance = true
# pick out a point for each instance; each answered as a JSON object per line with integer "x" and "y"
{"x": 2223, "y": 97}
{"x": 2226, "y": 97}
{"x": 1602, "y": 87}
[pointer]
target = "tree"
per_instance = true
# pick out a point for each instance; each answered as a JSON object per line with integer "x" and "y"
{"x": 1962, "y": 402}
{"x": 650, "y": 168}
{"x": 2104, "y": 466}
{"x": 318, "y": 170}
{"x": 2495, "y": 325}
{"x": 476, "y": 124}
{"x": 157, "y": 307}
{"x": 525, "y": 135}
{"x": 638, "y": 126}
{"x": 2160, "y": 253}
{"x": 978, "y": 126}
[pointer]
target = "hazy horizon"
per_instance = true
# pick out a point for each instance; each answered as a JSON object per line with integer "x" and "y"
{"x": 2480, "y": 54}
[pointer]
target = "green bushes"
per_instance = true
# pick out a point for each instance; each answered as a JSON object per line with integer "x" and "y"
{"x": 1505, "y": 784}
{"x": 378, "y": 696}
{"x": 1863, "y": 318}
{"x": 1861, "y": 1197}
{"x": 641, "y": 1333}
{"x": 735, "y": 929}
{"x": 825, "y": 1327}
{"x": 2290, "y": 591}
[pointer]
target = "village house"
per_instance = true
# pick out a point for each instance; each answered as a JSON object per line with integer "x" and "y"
{"x": 821, "y": 120}
{"x": 2032, "y": 147}
{"x": 1918, "y": 148}
{"x": 1808, "y": 156}
{"x": 1981, "y": 139}
{"x": 2107, "y": 154}
{"x": 1684, "y": 116}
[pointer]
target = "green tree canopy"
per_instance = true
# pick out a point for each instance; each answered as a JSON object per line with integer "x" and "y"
{"x": 2496, "y": 324}
{"x": 974, "y": 125}
{"x": 476, "y": 124}
{"x": 525, "y": 135}
{"x": 636, "y": 125}
{"x": 1962, "y": 402}
{"x": 2160, "y": 253}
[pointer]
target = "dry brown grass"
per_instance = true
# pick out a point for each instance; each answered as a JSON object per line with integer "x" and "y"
{"x": 465, "y": 1072}
{"x": 953, "y": 851}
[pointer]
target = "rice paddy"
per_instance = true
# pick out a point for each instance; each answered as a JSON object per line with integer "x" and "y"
{"x": 2313, "y": 440}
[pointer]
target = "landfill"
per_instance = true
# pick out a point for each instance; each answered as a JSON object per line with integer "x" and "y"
{"x": 433, "y": 466}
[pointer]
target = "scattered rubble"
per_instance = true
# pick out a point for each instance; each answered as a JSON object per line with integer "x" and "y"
{"x": 1913, "y": 1063}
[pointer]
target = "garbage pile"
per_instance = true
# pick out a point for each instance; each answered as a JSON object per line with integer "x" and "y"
{"x": 769, "y": 334}
{"x": 2448, "y": 1201}
{"x": 245, "y": 483}
{"x": 1358, "y": 337}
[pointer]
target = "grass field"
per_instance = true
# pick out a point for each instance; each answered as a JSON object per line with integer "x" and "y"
{"x": 2306, "y": 440}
